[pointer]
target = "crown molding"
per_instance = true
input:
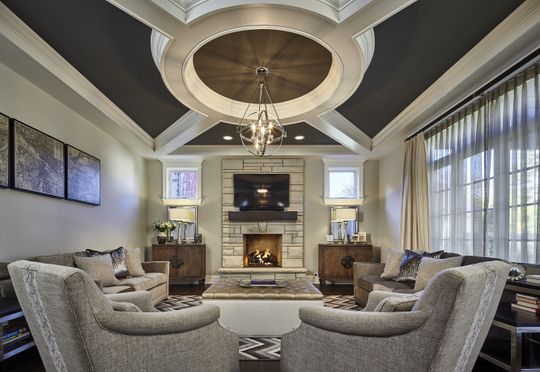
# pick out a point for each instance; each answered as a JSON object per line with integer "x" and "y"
{"x": 509, "y": 42}
{"x": 16, "y": 35}
{"x": 188, "y": 11}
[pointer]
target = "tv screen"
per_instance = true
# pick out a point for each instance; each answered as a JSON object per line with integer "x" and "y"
{"x": 261, "y": 191}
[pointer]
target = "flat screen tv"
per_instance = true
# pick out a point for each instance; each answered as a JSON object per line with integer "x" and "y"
{"x": 261, "y": 191}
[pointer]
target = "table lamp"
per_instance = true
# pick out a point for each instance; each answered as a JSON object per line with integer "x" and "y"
{"x": 344, "y": 215}
{"x": 184, "y": 216}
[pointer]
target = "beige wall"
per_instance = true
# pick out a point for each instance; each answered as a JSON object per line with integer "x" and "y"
{"x": 390, "y": 186}
{"x": 316, "y": 214}
{"x": 32, "y": 224}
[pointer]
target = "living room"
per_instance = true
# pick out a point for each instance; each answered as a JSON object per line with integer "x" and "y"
{"x": 269, "y": 185}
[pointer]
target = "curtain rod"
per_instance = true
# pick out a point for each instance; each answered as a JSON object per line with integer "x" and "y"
{"x": 491, "y": 85}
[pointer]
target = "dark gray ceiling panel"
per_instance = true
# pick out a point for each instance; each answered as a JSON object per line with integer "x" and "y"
{"x": 111, "y": 49}
{"x": 413, "y": 49}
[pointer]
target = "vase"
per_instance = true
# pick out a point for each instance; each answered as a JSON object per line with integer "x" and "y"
{"x": 162, "y": 239}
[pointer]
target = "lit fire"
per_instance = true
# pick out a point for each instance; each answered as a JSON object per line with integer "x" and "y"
{"x": 265, "y": 258}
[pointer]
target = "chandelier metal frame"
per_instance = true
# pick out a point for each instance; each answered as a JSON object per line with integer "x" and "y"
{"x": 259, "y": 130}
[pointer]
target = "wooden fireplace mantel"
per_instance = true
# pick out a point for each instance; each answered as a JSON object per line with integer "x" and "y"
{"x": 263, "y": 216}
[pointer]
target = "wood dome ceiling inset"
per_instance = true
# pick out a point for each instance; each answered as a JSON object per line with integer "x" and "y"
{"x": 296, "y": 64}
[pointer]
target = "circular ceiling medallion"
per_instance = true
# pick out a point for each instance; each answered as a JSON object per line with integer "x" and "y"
{"x": 296, "y": 64}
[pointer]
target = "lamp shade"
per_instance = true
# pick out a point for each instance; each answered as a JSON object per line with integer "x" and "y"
{"x": 345, "y": 214}
{"x": 182, "y": 214}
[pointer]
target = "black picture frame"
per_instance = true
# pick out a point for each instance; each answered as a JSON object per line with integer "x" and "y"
{"x": 5, "y": 169}
{"x": 83, "y": 176}
{"x": 37, "y": 161}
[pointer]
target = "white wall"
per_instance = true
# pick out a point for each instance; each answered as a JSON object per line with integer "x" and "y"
{"x": 390, "y": 187}
{"x": 35, "y": 225}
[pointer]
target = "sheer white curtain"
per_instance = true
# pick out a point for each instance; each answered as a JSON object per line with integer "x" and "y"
{"x": 484, "y": 176}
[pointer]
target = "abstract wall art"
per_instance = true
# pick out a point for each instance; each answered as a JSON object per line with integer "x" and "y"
{"x": 83, "y": 178}
{"x": 38, "y": 161}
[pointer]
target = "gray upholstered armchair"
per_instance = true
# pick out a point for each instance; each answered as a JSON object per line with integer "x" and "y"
{"x": 76, "y": 329}
{"x": 443, "y": 332}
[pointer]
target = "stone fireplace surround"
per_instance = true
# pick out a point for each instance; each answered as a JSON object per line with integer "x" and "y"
{"x": 292, "y": 232}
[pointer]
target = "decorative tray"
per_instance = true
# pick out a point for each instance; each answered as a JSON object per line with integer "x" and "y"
{"x": 248, "y": 283}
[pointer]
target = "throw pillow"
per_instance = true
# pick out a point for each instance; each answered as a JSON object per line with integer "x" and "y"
{"x": 431, "y": 266}
{"x": 410, "y": 263}
{"x": 133, "y": 261}
{"x": 125, "y": 306}
{"x": 118, "y": 257}
{"x": 395, "y": 304}
{"x": 391, "y": 269}
{"x": 99, "y": 268}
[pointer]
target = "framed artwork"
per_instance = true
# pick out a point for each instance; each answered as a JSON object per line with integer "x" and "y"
{"x": 38, "y": 161}
{"x": 4, "y": 151}
{"x": 83, "y": 177}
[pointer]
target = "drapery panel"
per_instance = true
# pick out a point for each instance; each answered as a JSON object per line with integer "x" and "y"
{"x": 414, "y": 200}
{"x": 484, "y": 174}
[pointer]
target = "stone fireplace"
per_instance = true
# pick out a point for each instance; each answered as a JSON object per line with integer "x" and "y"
{"x": 262, "y": 250}
{"x": 283, "y": 239}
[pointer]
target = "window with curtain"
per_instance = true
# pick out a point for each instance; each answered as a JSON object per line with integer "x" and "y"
{"x": 484, "y": 174}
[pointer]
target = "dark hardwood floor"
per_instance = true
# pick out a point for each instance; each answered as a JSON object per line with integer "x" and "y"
{"x": 31, "y": 362}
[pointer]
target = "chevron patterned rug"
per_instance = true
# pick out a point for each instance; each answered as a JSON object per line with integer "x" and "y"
{"x": 257, "y": 348}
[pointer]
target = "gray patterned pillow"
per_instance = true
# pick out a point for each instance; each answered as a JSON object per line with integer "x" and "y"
{"x": 408, "y": 268}
{"x": 119, "y": 261}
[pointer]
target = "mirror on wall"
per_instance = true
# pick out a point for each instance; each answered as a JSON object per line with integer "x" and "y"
{"x": 343, "y": 223}
{"x": 186, "y": 220}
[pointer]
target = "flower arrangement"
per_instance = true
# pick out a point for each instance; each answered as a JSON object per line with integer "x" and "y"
{"x": 163, "y": 226}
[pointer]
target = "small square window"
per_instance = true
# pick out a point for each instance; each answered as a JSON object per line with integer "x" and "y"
{"x": 342, "y": 184}
{"x": 183, "y": 183}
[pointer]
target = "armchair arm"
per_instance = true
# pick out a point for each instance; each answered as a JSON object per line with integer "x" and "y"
{"x": 158, "y": 323}
{"x": 143, "y": 299}
{"x": 156, "y": 267}
{"x": 361, "y": 269}
{"x": 363, "y": 323}
{"x": 376, "y": 297}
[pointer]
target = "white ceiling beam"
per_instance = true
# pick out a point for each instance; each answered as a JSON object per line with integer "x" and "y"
{"x": 373, "y": 14}
{"x": 337, "y": 127}
{"x": 236, "y": 150}
{"x": 188, "y": 127}
{"x": 150, "y": 14}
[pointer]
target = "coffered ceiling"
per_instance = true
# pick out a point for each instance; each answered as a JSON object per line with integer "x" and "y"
{"x": 400, "y": 49}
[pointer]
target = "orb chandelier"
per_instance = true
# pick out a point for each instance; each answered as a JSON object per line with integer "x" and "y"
{"x": 261, "y": 131}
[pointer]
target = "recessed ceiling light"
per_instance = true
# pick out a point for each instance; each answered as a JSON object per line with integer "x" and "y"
{"x": 227, "y": 138}
{"x": 299, "y": 138}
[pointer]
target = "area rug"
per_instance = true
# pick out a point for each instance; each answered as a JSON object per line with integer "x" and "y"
{"x": 256, "y": 348}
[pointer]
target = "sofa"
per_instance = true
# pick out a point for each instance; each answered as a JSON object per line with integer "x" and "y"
{"x": 367, "y": 277}
{"x": 155, "y": 280}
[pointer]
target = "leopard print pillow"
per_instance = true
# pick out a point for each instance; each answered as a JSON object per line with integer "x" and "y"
{"x": 408, "y": 268}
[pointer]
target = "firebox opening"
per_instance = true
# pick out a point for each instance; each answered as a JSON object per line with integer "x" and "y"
{"x": 262, "y": 250}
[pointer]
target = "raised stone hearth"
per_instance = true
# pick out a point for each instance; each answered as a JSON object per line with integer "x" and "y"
{"x": 291, "y": 232}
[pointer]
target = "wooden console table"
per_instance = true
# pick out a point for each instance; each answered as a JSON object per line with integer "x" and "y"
{"x": 187, "y": 261}
{"x": 336, "y": 260}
